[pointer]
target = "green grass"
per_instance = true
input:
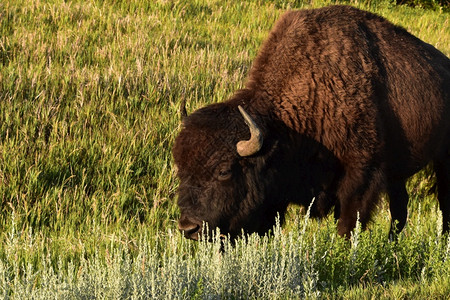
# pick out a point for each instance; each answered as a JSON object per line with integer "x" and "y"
{"x": 89, "y": 100}
{"x": 308, "y": 261}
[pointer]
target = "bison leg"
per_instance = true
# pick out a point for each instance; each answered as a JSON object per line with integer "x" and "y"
{"x": 347, "y": 219}
{"x": 398, "y": 202}
{"x": 350, "y": 213}
{"x": 352, "y": 210}
{"x": 322, "y": 204}
{"x": 442, "y": 169}
{"x": 357, "y": 196}
{"x": 337, "y": 211}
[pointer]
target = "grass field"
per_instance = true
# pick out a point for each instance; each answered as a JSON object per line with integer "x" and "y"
{"x": 89, "y": 100}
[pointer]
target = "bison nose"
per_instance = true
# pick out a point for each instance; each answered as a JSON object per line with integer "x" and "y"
{"x": 190, "y": 228}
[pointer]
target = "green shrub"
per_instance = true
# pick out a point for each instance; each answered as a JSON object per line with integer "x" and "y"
{"x": 434, "y": 4}
{"x": 305, "y": 262}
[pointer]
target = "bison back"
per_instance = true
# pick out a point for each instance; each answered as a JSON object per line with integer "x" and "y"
{"x": 363, "y": 87}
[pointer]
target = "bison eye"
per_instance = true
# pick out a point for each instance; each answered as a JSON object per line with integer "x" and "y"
{"x": 224, "y": 174}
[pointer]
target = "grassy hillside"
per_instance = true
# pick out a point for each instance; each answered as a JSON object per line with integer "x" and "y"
{"x": 89, "y": 100}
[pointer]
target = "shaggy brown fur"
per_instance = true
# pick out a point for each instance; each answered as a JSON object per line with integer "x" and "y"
{"x": 349, "y": 106}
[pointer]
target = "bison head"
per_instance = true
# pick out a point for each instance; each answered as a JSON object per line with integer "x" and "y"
{"x": 222, "y": 154}
{"x": 238, "y": 168}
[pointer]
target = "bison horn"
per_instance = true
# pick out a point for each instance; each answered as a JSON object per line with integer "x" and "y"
{"x": 254, "y": 144}
{"x": 183, "y": 111}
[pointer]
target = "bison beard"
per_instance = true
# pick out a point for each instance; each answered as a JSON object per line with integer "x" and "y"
{"x": 339, "y": 105}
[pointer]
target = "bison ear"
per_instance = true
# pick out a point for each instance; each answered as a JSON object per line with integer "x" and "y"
{"x": 254, "y": 144}
{"x": 183, "y": 112}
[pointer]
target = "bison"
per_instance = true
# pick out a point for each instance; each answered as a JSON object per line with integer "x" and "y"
{"x": 340, "y": 105}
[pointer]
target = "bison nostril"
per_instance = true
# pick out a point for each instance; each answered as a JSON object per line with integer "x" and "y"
{"x": 191, "y": 230}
